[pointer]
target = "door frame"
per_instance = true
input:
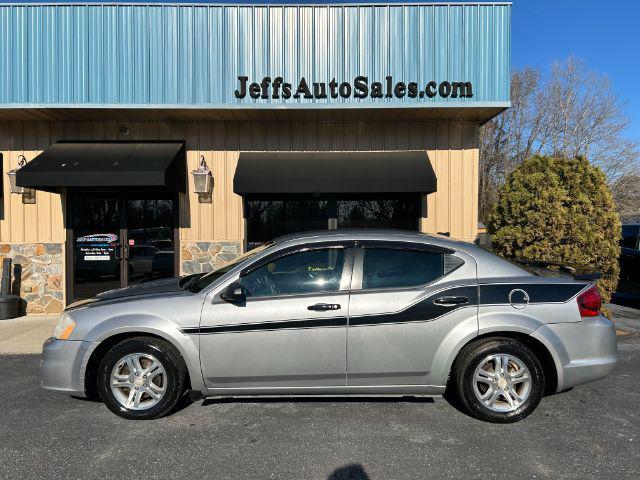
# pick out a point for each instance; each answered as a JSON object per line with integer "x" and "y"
{"x": 123, "y": 195}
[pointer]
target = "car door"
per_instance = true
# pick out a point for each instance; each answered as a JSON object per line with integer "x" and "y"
{"x": 405, "y": 300}
{"x": 291, "y": 330}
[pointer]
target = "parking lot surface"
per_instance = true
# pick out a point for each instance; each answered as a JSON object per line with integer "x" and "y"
{"x": 592, "y": 431}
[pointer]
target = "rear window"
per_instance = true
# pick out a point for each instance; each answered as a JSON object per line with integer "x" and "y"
{"x": 396, "y": 268}
{"x": 542, "y": 268}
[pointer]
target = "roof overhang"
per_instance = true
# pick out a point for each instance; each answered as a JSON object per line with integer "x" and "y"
{"x": 474, "y": 112}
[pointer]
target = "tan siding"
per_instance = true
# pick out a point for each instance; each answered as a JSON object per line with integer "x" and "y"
{"x": 21, "y": 223}
{"x": 451, "y": 146}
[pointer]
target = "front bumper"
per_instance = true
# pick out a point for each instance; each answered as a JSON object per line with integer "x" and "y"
{"x": 63, "y": 365}
{"x": 583, "y": 351}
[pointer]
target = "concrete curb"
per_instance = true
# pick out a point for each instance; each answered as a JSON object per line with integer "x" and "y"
{"x": 25, "y": 335}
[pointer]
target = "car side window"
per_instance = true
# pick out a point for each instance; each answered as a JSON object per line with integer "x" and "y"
{"x": 311, "y": 271}
{"x": 396, "y": 268}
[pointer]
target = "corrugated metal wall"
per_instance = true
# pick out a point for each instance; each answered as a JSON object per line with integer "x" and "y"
{"x": 452, "y": 148}
{"x": 191, "y": 55}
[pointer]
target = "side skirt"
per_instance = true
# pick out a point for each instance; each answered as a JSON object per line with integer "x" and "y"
{"x": 339, "y": 390}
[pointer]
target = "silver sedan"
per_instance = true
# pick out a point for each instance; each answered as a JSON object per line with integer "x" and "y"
{"x": 339, "y": 313}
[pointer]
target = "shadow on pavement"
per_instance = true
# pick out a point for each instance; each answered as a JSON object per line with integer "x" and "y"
{"x": 355, "y": 471}
{"x": 408, "y": 399}
{"x": 183, "y": 403}
{"x": 89, "y": 399}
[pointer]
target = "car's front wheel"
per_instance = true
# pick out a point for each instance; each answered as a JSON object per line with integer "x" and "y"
{"x": 142, "y": 378}
{"x": 498, "y": 380}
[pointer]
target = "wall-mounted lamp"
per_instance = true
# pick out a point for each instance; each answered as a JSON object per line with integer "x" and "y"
{"x": 22, "y": 161}
{"x": 202, "y": 181}
{"x": 28, "y": 194}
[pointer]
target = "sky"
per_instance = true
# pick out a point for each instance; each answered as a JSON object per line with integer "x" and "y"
{"x": 604, "y": 33}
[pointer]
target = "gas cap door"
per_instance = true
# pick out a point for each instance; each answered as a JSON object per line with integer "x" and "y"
{"x": 518, "y": 298}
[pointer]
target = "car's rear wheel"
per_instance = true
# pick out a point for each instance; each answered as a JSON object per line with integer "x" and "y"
{"x": 498, "y": 380}
{"x": 142, "y": 378}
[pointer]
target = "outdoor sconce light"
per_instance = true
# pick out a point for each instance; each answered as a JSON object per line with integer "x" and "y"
{"x": 202, "y": 181}
{"x": 22, "y": 161}
{"x": 28, "y": 195}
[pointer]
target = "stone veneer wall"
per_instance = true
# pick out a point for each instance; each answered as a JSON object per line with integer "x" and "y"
{"x": 41, "y": 285}
{"x": 198, "y": 257}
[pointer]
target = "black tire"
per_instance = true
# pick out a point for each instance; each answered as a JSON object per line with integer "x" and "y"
{"x": 471, "y": 356}
{"x": 166, "y": 354}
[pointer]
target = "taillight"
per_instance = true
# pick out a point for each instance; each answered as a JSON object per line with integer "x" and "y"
{"x": 589, "y": 302}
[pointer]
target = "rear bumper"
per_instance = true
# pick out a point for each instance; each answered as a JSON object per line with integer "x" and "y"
{"x": 63, "y": 365}
{"x": 583, "y": 351}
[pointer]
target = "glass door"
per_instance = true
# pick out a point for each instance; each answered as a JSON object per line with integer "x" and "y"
{"x": 97, "y": 243}
{"x": 150, "y": 238}
{"x": 120, "y": 238}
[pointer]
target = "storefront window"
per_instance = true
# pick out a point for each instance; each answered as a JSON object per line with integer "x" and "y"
{"x": 400, "y": 213}
{"x": 271, "y": 218}
{"x": 268, "y": 219}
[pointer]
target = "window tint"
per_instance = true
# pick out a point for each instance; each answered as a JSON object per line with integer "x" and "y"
{"x": 268, "y": 219}
{"x": 303, "y": 272}
{"x": 393, "y": 268}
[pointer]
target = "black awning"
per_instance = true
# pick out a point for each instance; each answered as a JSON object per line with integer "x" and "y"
{"x": 107, "y": 164}
{"x": 266, "y": 173}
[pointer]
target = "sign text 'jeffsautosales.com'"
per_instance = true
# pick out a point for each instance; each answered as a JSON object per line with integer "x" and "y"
{"x": 361, "y": 87}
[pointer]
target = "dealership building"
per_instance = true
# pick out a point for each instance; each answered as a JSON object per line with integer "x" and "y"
{"x": 147, "y": 140}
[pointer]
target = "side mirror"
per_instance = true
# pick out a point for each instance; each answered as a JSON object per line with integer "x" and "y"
{"x": 234, "y": 293}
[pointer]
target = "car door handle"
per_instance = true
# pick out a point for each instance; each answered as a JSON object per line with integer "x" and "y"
{"x": 451, "y": 301}
{"x": 322, "y": 307}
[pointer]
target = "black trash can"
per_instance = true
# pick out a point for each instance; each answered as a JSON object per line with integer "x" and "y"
{"x": 9, "y": 306}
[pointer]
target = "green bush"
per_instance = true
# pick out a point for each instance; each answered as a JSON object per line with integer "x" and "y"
{"x": 559, "y": 210}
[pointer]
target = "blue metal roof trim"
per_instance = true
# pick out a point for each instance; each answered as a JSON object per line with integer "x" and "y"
{"x": 189, "y": 56}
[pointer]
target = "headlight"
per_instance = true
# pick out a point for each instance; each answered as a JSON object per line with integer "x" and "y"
{"x": 64, "y": 327}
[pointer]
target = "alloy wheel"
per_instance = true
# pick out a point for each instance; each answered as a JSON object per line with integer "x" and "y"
{"x": 502, "y": 382}
{"x": 138, "y": 381}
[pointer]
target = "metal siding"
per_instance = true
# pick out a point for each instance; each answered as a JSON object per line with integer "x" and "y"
{"x": 187, "y": 55}
{"x": 201, "y": 33}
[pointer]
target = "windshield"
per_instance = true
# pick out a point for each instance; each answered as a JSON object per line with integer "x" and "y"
{"x": 200, "y": 282}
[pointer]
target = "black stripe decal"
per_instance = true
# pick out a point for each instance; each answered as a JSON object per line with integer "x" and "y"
{"x": 425, "y": 310}
{"x": 498, "y": 294}
{"x": 246, "y": 327}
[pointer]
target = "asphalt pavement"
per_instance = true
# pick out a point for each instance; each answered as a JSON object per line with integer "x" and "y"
{"x": 592, "y": 431}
